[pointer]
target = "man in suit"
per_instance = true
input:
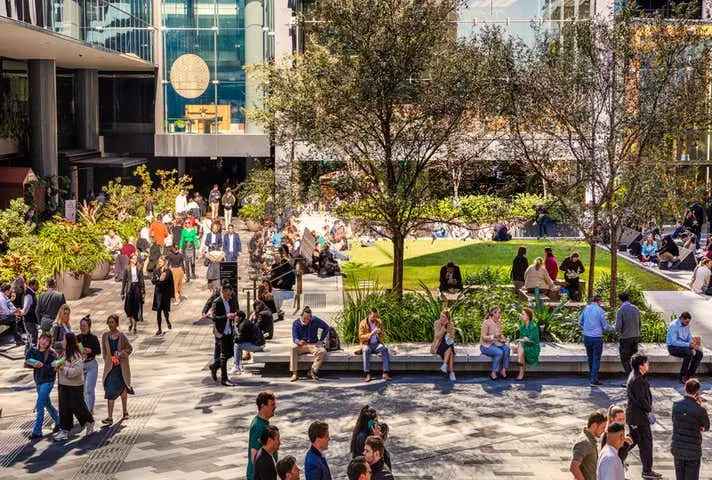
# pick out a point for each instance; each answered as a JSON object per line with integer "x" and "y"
{"x": 48, "y": 304}
{"x": 231, "y": 244}
{"x": 29, "y": 312}
{"x": 223, "y": 316}
{"x": 213, "y": 240}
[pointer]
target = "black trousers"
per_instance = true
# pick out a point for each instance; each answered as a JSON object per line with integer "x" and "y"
{"x": 643, "y": 437}
{"x": 12, "y": 322}
{"x": 690, "y": 360}
{"x": 574, "y": 288}
{"x": 687, "y": 469}
{"x": 72, "y": 404}
{"x": 166, "y": 314}
{"x": 221, "y": 353}
{"x": 627, "y": 348}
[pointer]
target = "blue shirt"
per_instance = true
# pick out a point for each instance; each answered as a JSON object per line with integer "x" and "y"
{"x": 678, "y": 335}
{"x": 308, "y": 333}
{"x": 315, "y": 466}
{"x": 593, "y": 321}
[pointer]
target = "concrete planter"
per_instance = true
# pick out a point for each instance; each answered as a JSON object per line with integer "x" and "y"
{"x": 100, "y": 272}
{"x": 72, "y": 285}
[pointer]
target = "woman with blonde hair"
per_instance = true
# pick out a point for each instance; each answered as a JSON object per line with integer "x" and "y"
{"x": 494, "y": 344}
{"x": 528, "y": 348}
{"x": 444, "y": 343}
{"x": 537, "y": 277}
{"x": 60, "y": 328}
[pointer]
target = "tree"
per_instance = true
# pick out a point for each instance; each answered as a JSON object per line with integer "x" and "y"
{"x": 592, "y": 106}
{"x": 382, "y": 85}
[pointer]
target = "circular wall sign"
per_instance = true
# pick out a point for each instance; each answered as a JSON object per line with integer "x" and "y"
{"x": 190, "y": 75}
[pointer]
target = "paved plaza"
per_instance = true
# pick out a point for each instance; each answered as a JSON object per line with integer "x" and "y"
{"x": 184, "y": 426}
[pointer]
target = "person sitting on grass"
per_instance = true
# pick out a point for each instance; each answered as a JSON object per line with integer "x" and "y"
{"x": 444, "y": 343}
{"x": 536, "y": 277}
{"x": 494, "y": 344}
{"x": 649, "y": 251}
{"x": 529, "y": 348}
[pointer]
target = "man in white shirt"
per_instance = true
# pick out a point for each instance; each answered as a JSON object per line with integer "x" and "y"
{"x": 610, "y": 466}
{"x": 181, "y": 202}
{"x": 8, "y": 312}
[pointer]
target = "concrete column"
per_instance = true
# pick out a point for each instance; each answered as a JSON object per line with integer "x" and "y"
{"x": 161, "y": 68}
{"x": 254, "y": 55}
{"x": 88, "y": 108}
{"x": 181, "y": 166}
{"x": 43, "y": 117}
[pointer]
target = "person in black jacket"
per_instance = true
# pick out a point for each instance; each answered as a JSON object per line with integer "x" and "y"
{"x": 373, "y": 453}
{"x": 573, "y": 269}
{"x": 639, "y": 413}
{"x": 668, "y": 252}
{"x": 223, "y": 314}
{"x": 519, "y": 266}
{"x": 163, "y": 293}
{"x": 133, "y": 291}
{"x": 263, "y": 318}
{"x": 248, "y": 337}
{"x": 48, "y": 304}
{"x": 689, "y": 420}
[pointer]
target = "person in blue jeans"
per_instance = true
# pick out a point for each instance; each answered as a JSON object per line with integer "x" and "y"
{"x": 41, "y": 358}
{"x": 370, "y": 335}
{"x": 592, "y": 321}
{"x": 682, "y": 344}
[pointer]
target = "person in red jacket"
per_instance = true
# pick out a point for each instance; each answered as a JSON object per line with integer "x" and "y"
{"x": 551, "y": 264}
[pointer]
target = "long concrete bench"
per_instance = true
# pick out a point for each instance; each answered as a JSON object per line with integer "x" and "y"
{"x": 554, "y": 358}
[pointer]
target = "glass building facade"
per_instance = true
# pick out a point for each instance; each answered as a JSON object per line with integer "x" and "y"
{"x": 123, "y": 26}
{"x": 206, "y": 45}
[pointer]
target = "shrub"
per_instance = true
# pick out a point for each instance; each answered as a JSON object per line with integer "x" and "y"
{"x": 602, "y": 287}
{"x": 487, "y": 276}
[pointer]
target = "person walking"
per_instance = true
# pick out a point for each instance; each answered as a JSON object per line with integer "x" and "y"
{"x": 29, "y": 312}
{"x": 315, "y": 465}
{"x": 162, "y": 294}
{"x": 214, "y": 201}
{"x": 371, "y": 335}
{"x": 519, "y": 267}
{"x": 266, "y": 458}
{"x": 689, "y": 420}
{"x": 116, "y": 349}
{"x": 528, "y": 348}
{"x": 228, "y": 202}
{"x": 287, "y": 468}
{"x": 70, "y": 381}
{"x": 610, "y": 466}
{"x": 61, "y": 327}
{"x": 592, "y": 321}
{"x": 359, "y": 469}
{"x": 48, "y": 304}
{"x": 40, "y": 358}
{"x": 231, "y": 244}
{"x": 373, "y": 453}
{"x": 224, "y": 312}
{"x": 628, "y": 329}
{"x": 90, "y": 349}
{"x": 175, "y": 261}
{"x": 266, "y": 406}
{"x": 584, "y": 459}
{"x": 133, "y": 291}
{"x": 494, "y": 344}
{"x": 682, "y": 344}
{"x": 639, "y": 413}
{"x": 189, "y": 245}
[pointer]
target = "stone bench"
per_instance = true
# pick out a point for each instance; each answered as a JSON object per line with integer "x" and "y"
{"x": 554, "y": 358}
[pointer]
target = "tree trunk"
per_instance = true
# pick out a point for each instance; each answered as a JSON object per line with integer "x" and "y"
{"x": 591, "y": 268}
{"x": 398, "y": 254}
{"x": 614, "y": 268}
{"x": 456, "y": 193}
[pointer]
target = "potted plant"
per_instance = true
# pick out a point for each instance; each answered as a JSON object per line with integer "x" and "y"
{"x": 71, "y": 251}
{"x": 253, "y": 214}
{"x": 89, "y": 216}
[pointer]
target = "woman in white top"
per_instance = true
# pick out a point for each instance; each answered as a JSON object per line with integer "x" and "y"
{"x": 701, "y": 277}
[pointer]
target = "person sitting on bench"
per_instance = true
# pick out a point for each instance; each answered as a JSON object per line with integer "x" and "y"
{"x": 450, "y": 278}
{"x": 536, "y": 277}
{"x": 668, "y": 252}
{"x": 649, "y": 251}
{"x": 305, "y": 339}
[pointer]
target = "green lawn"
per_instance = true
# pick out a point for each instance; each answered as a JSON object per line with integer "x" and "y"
{"x": 423, "y": 260}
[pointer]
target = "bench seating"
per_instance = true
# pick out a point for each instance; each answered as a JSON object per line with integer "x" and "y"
{"x": 554, "y": 358}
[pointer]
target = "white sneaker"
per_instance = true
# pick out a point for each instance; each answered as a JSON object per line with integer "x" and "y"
{"x": 236, "y": 370}
{"x": 443, "y": 368}
{"x": 452, "y": 376}
{"x": 61, "y": 435}
{"x": 89, "y": 429}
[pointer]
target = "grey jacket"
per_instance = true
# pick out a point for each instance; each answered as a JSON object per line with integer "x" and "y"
{"x": 628, "y": 321}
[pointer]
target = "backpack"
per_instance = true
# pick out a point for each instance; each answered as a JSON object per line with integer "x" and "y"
{"x": 332, "y": 340}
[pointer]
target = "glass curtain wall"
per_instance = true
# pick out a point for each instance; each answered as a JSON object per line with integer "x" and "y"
{"x": 204, "y": 46}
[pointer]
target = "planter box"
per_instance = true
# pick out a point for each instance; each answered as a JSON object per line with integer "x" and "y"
{"x": 252, "y": 226}
{"x": 101, "y": 271}
{"x": 71, "y": 284}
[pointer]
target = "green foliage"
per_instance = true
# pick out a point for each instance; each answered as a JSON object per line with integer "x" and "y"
{"x": 70, "y": 247}
{"x": 169, "y": 185}
{"x": 482, "y": 209}
{"x": 12, "y": 221}
{"x": 122, "y": 201}
{"x": 625, "y": 284}
{"x": 487, "y": 276}
{"x": 257, "y": 193}
{"x": 253, "y": 211}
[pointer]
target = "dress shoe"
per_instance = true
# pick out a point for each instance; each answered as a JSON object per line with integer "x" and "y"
{"x": 214, "y": 373}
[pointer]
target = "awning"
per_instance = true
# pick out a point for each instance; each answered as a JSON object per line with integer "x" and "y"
{"x": 109, "y": 162}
